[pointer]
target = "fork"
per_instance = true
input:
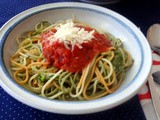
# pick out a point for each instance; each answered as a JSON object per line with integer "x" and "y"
{"x": 155, "y": 95}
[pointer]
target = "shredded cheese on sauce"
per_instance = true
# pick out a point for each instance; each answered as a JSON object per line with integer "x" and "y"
{"x": 71, "y": 35}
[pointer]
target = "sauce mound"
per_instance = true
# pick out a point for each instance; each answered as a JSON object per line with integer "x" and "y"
{"x": 73, "y": 47}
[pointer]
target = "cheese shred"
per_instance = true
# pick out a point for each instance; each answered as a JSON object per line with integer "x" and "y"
{"x": 71, "y": 35}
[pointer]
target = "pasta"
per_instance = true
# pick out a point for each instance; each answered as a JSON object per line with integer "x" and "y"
{"x": 102, "y": 76}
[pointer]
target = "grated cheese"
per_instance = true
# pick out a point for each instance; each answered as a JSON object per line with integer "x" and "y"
{"x": 71, "y": 35}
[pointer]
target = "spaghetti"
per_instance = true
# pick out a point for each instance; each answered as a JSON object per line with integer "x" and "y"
{"x": 100, "y": 77}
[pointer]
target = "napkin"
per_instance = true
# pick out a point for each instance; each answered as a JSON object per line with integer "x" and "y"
{"x": 144, "y": 94}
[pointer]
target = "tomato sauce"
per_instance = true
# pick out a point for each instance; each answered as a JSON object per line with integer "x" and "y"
{"x": 77, "y": 59}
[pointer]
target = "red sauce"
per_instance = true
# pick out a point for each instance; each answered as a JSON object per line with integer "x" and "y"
{"x": 77, "y": 59}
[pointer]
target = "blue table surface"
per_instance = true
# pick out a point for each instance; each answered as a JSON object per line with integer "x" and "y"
{"x": 142, "y": 14}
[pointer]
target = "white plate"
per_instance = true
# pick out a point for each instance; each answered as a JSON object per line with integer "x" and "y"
{"x": 101, "y": 1}
{"x": 102, "y": 18}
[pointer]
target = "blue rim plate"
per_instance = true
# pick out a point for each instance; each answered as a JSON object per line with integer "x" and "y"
{"x": 101, "y": 1}
{"x": 106, "y": 19}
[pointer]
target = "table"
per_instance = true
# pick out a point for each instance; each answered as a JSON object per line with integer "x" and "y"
{"x": 141, "y": 14}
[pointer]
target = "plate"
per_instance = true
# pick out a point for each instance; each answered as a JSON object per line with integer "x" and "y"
{"x": 99, "y": 17}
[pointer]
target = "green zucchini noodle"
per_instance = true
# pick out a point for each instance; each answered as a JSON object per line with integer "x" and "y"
{"x": 101, "y": 77}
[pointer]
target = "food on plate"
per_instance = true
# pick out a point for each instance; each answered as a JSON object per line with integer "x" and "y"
{"x": 69, "y": 60}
